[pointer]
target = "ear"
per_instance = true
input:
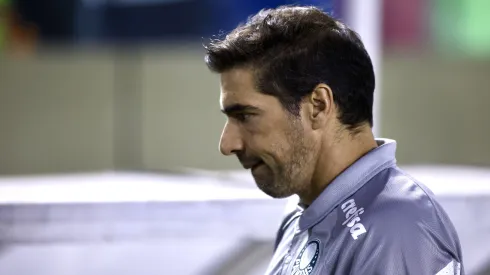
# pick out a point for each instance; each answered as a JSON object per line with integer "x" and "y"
{"x": 320, "y": 105}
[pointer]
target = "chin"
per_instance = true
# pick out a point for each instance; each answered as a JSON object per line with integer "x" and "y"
{"x": 279, "y": 196}
{"x": 276, "y": 193}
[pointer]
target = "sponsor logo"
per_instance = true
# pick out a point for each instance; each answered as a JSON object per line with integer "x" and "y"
{"x": 353, "y": 219}
{"x": 307, "y": 259}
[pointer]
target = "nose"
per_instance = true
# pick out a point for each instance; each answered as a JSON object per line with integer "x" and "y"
{"x": 230, "y": 142}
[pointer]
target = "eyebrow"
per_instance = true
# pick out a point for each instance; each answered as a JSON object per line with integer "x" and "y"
{"x": 238, "y": 108}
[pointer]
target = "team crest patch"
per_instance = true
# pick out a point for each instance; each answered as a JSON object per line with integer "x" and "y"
{"x": 307, "y": 259}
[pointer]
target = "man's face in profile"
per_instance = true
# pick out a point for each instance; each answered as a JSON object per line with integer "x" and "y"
{"x": 264, "y": 136}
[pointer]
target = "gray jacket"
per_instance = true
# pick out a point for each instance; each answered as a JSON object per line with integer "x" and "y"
{"x": 372, "y": 219}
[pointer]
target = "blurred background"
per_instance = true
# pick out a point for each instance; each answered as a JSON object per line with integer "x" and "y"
{"x": 109, "y": 129}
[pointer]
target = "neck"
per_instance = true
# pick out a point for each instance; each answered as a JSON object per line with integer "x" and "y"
{"x": 336, "y": 157}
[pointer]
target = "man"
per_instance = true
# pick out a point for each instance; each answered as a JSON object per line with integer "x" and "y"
{"x": 297, "y": 88}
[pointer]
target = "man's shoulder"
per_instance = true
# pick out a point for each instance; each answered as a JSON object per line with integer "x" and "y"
{"x": 394, "y": 192}
{"x": 394, "y": 205}
{"x": 399, "y": 220}
{"x": 394, "y": 196}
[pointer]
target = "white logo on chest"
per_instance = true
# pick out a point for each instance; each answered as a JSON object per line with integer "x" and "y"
{"x": 307, "y": 259}
{"x": 353, "y": 219}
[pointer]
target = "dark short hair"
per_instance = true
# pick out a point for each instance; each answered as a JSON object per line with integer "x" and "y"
{"x": 292, "y": 49}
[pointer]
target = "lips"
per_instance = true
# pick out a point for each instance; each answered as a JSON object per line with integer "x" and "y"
{"x": 257, "y": 165}
{"x": 252, "y": 165}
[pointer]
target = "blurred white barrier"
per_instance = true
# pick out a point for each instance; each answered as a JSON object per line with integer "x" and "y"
{"x": 142, "y": 223}
{"x": 128, "y": 223}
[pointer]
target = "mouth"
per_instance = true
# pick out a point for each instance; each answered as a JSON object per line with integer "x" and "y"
{"x": 258, "y": 164}
{"x": 252, "y": 165}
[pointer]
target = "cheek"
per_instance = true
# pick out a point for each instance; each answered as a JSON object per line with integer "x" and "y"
{"x": 274, "y": 143}
{"x": 269, "y": 149}
{"x": 280, "y": 150}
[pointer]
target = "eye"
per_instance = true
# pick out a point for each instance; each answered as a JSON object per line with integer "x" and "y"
{"x": 243, "y": 117}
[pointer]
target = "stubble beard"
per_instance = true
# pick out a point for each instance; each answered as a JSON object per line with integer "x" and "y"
{"x": 289, "y": 177}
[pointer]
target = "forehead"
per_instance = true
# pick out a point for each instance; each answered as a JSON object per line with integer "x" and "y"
{"x": 238, "y": 87}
